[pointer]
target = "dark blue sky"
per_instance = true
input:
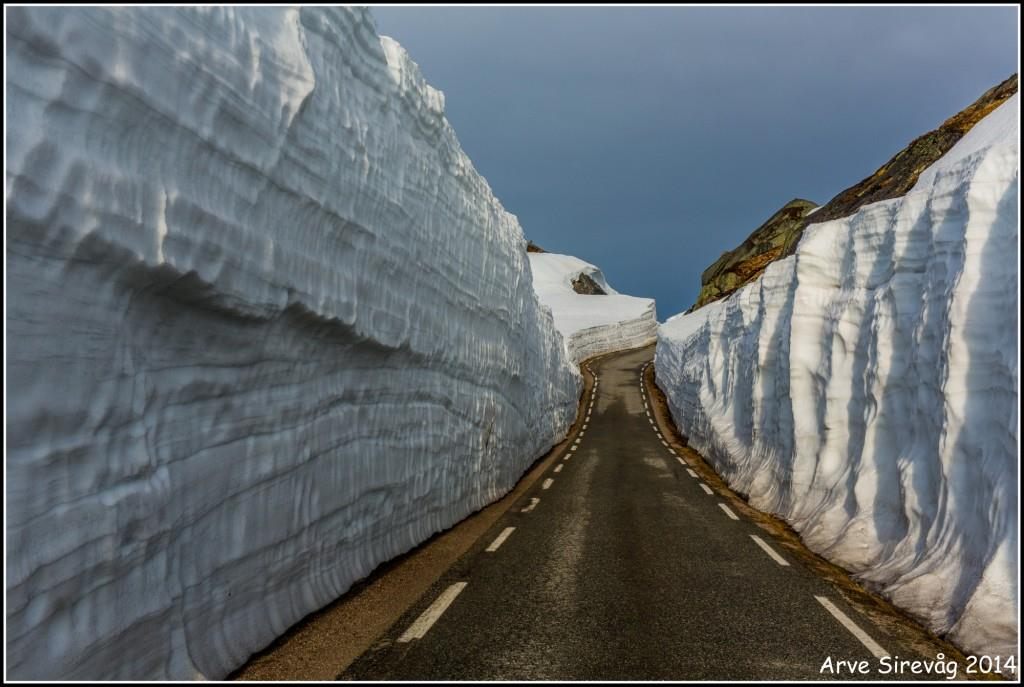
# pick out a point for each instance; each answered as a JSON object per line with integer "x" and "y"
{"x": 650, "y": 140}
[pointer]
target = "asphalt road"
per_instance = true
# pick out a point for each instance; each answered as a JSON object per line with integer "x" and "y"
{"x": 622, "y": 566}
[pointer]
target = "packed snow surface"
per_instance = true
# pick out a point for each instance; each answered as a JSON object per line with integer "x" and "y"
{"x": 866, "y": 390}
{"x": 591, "y": 324}
{"x": 267, "y": 327}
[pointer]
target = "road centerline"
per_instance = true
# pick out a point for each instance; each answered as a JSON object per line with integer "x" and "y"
{"x": 427, "y": 619}
{"x": 500, "y": 539}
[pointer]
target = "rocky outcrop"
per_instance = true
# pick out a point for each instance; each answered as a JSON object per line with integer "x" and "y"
{"x": 892, "y": 180}
{"x": 586, "y": 286}
{"x": 746, "y": 263}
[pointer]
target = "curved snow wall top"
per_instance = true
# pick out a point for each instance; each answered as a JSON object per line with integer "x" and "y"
{"x": 866, "y": 389}
{"x": 589, "y": 324}
{"x": 267, "y": 328}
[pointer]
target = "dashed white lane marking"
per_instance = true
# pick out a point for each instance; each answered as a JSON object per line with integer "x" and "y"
{"x": 584, "y": 426}
{"x": 533, "y": 504}
{"x": 433, "y": 612}
{"x": 769, "y": 550}
{"x": 673, "y": 452}
{"x": 706, "y": 488}
{"x": 648, "y": 413}
{"x": 728, "y": 512}
{"x": 572, "y": 449}
{"x": 500, "y": 539}
{"x": 547, "y": 483}
{"x": 558, "y": 468}
{"x": 871, "y": 644}
{"x": 664, "y": 444}
{"x": 688, "y": 470}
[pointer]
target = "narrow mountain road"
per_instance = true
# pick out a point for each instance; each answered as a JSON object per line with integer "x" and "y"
{"x": 623, "y": 563}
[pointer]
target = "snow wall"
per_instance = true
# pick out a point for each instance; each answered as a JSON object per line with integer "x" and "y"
{"x": 866, "y": 390}
{"x": 267, "y": 328}
{"x": 591, "y": 324}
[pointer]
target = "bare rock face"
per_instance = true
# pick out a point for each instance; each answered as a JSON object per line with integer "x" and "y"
{"x": 778, "y": 237}
{"x": 586, "y": 286}
{"x": 746, "y": 263}
{"x": 532, "y": 247}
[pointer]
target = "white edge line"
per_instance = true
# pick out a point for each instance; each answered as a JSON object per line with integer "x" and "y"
{"x": 728, "y": 512}
{"x": 433, "y": 612}
{"x": 769, "y": 550}
{"x": 871, "y": 644}
{"x": 500, "y": 539}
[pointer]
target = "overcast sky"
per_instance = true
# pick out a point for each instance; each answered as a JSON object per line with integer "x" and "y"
{"x": 650, "y": 140}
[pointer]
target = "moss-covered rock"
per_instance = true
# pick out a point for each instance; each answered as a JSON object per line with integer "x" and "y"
{"x": 746, "y": 262}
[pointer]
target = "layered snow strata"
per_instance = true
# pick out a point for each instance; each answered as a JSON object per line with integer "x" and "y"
{"x": 591, "y": 324}
{"x": 267, "y": 327}
{"x": 866, "y": 390}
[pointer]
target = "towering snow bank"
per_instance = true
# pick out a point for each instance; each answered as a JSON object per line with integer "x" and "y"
{"x": 267, "y": 328}
{"x": 866, "y": 389}
{"x": 590, "y": 324}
